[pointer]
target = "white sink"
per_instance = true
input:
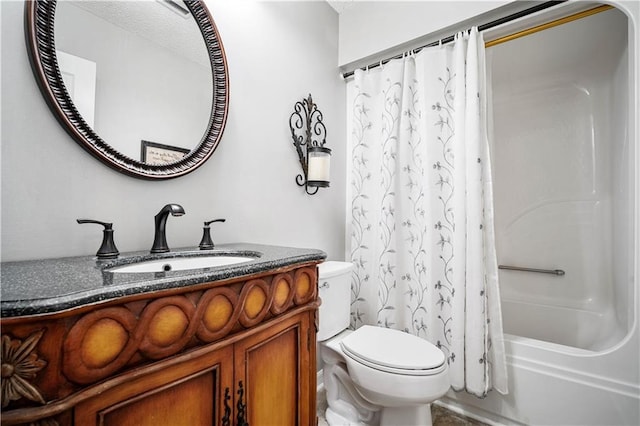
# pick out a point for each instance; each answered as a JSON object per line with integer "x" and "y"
{"x": 180, "y": 264}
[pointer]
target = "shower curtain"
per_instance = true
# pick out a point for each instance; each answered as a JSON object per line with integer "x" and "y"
{"x": 422, "y": 238}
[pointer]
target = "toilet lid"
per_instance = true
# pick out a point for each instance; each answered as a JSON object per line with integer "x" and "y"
{"x": 393, "y": 351}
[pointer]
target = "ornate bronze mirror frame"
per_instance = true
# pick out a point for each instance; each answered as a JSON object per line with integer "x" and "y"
{"x": 39, "y": 20}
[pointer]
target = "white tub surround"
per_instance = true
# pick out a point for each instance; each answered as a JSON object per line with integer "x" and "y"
{"x": 566, "y": 195}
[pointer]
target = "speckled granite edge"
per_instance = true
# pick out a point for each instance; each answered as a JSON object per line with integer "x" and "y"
{"x": 54, "y": 285}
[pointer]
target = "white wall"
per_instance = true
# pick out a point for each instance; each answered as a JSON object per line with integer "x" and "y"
{"x": 278, "y": 53}
{"x": 370, "y": 27}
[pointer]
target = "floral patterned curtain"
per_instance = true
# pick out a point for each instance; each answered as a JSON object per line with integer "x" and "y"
{"x": 421, "y": 212}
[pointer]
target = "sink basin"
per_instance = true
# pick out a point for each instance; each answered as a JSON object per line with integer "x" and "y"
{"x": 180, "y": 264}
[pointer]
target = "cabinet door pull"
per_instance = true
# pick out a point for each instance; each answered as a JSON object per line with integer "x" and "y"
{"x": 226, "y": 420}
{"x": 242, "y": 407}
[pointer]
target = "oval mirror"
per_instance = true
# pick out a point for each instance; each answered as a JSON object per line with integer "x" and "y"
{"x": 142, "y": 86}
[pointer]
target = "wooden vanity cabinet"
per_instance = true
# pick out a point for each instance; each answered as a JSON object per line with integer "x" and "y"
{"x": 188, "y": 392}
{"x": 273, "y": 367}
{"x": 262, "y": 379}
{"x": 260, "y": 371}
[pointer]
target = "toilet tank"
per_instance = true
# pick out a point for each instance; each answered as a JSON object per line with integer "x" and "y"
{"x": 334, "y": 285}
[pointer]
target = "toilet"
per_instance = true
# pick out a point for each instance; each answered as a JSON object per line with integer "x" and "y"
{"x": 373, "y": 375}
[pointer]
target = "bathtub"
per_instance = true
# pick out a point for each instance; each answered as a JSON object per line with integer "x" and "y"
{"x": 566, "y": 189}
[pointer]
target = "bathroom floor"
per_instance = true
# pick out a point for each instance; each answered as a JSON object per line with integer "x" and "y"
{"x": 439, "y": 415}
{"x": 443, "y": 417}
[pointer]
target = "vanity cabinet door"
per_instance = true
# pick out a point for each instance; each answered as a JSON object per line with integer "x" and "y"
{"x": 275, "y": 375}
{"x": 189, "y": 392}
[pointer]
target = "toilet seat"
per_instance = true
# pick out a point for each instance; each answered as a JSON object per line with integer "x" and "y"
{"x": 393, "y": 351}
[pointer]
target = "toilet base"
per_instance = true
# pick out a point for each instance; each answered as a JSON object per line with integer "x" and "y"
{"x": 416, "y": 415}
{"x": 336, "y": 419}
{"x": 390, "y": 416}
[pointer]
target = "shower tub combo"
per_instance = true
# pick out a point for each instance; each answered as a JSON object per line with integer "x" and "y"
{"x": 565, "y": 164}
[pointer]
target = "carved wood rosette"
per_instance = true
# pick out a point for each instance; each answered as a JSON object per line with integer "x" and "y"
{"x": 20, "y": 364}
{"x": 107, "y": 340}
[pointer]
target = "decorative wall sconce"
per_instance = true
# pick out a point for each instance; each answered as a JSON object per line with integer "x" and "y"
{"x": 308, "y": 131}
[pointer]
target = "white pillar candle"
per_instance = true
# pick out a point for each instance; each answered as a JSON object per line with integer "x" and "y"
{"x": 319, "y": 163}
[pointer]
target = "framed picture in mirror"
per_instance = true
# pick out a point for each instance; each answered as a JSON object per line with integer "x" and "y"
{"x": 154, "y": 153}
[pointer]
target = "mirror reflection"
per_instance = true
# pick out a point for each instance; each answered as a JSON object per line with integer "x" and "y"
{"x": 138, "y": 73}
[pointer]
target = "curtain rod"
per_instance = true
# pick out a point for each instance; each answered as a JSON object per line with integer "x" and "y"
{"x": 482, "y": 27}
{"x": 548, "y": 25}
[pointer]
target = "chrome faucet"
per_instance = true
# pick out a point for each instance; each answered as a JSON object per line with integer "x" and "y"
{"x": 160, "y": 238}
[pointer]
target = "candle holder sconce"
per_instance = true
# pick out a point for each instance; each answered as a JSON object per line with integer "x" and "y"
{"x": 309, "y": 136}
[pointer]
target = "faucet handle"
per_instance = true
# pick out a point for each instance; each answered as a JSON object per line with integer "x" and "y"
{"x": 105, "y": 224}
{"x": 108, "y": 248}
{"x": 207, "y": 243}
{"x": 214, "y": 220}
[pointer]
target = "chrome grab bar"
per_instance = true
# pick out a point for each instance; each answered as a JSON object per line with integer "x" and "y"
{"x": 558, "y": 272}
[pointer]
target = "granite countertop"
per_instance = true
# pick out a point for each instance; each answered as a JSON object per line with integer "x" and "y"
{"x": 52, "y": 285}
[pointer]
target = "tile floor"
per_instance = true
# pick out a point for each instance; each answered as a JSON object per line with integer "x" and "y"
{"x": 440, "y": 415}
{"x": 443, "y": 417}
